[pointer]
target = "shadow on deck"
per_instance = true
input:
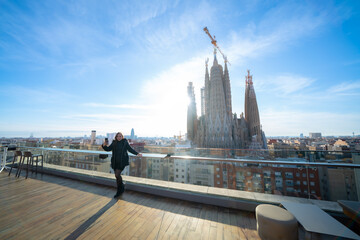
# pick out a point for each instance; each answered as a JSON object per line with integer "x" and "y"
{"x": 49, "y": 207}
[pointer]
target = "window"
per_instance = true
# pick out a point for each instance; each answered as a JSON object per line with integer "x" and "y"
{"x": 312, "y": 175}
{"x": 312, "y": 184}
{"x": 257, "y": 175}
{"x": 298, "y": 183}
{"x": 218, "y": 176}
{"x": 288, "y": 174}
{"x": 304, "y": 174}
{"x": 218, "y": 182}
{"x": 298, "y": 174}
{"x": 289, "y": 183}
{"x": 217, "y": 169}
{"x": 305, "y": 182}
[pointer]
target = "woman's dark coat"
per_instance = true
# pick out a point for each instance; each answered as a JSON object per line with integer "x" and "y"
{"x": 120, "y": 157}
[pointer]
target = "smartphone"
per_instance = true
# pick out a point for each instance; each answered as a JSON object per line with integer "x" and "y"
{"x": 106, "y": 139}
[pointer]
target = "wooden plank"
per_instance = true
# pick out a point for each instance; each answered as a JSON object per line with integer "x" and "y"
{"x": 121, "y": 213}
{"x": 205, "y": 228}
{"x": 48, "y": 207}
{"x": 127, "y": 221}
{"x": 236, "y": 231}
{"x": 226, "y": 223}
{"x": 150, "y": 223}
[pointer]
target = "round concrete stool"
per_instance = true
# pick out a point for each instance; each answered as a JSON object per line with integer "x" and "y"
{"x": 275, "y": 223}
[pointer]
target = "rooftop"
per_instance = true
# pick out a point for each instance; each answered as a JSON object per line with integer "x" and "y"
{"x": 49, "y": 207}
{"x": 75, "y": 192}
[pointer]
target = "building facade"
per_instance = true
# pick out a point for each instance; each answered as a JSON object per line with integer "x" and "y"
{"x": 218, "y": 127}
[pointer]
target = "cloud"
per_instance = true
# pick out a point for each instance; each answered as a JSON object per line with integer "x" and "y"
{"x": 102, "y": 117}
{"x": 285, "y": 84}
{"x": 124, "y": 106}
{"x": 292, "y": 123}
{"x": 278, "y": 28}
{"x": 168, "y": 92}
{"x": 136, "y": 13}
{"x": 345, "y": 88}
{"x": 66, "y": 32}
{"x": 179, "y": 30}
{"x": 31, "y": 95}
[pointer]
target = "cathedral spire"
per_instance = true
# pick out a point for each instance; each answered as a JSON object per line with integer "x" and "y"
{"x": 191, "y": 113}
{"x": 249, "y": 78}
{"x": 215, "y": 59}
{"x": 227, "y": 90}
{"x": 207, "y": 88}
{"x": 251, "y": 111}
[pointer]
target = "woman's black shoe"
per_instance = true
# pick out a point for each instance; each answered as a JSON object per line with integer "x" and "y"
{"x": 120, "y": 190}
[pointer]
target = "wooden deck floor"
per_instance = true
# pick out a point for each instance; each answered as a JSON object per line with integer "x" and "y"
{"x": 48, "y": 207}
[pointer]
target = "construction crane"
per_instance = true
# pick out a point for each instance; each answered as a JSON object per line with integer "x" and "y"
{"x": 180, "y": 136}
{"x": 214, "y": 42}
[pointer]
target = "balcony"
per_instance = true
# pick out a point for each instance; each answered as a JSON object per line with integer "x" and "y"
{"x": 152, "y": 177}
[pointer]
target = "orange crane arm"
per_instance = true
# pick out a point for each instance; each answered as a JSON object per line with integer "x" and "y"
{"x": 213, "y": 41}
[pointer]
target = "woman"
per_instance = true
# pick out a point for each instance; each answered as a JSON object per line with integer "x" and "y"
{"x": 120, "y": 158}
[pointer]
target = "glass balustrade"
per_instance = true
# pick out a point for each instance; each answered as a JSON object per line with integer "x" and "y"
{"x": 323, "y": 175}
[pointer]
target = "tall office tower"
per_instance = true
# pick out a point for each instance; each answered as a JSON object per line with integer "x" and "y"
{"x": 93, "y": 136}
{"x": 217, "y": 126}
{"x": 191, "y": 114}
{"x": 314, "y": 135}
{"x": 132, "y": 135}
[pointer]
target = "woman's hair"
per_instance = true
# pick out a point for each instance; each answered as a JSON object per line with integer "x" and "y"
{"x": 118, "y": 134}
{"x": 115, "y": 140}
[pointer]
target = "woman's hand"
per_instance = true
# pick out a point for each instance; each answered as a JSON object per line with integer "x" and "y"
{"x": 139, "y": 155}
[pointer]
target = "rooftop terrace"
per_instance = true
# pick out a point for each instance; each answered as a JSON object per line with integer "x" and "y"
{"x": 49, "y": 207}
{"x": 72, "y": 199}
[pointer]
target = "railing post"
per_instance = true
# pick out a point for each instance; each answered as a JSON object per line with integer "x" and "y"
{"x": 168, "y": 169}
{"x": 93, "y": 165}
{"x": 3, "y": 159}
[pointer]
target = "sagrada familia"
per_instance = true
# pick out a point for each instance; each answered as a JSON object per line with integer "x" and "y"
{"x": 218, "y": 127}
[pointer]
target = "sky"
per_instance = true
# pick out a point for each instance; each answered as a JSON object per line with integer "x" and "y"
{"x": 69, "y": 67}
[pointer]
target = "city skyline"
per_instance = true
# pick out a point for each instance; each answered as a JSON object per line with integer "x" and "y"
{"x": 67, "y": 69}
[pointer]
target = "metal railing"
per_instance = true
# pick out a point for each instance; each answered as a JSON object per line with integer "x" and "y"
{"x": 304, "y": 179}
